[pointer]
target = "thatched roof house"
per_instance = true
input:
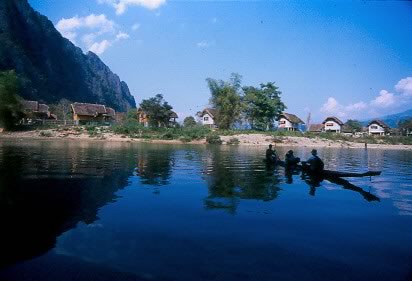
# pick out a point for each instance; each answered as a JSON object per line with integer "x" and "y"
{"x": 378, "y": 127}
{"x": 332, "y": 124}
{"x": 144, "y": 118}
{"x": 30, "y": 105}
{"x": 208, "y": 116}
{"x": 380, "y": 123}
{"x": 289, "y": 122}
{"x": 291, "y": 118}
{"x": 334, "y": 119}
{"x": 35, "y": 110}
{"x": 92, "y": 112}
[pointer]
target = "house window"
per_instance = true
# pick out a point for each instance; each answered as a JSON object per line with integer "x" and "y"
{"x": 329, "y": 124}
{"x": 283, "y": 122}
{"x": 374, "y": 127}
{"x": 206, "y": 118}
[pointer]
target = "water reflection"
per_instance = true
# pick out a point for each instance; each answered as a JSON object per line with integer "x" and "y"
{"x": 42, "y": 197}
{"x": 49, "y": 189}
{"x": 315, "y": 182}
{"x": 154, "y": 165}
{"x": 233, "y": 176}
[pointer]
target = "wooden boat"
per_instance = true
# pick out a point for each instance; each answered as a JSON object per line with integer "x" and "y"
{"x": 337, "y": 174}
{"x": 329, "y": 173}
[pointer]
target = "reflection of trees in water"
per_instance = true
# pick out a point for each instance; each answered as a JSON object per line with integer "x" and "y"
{"x": 47, "y": 190}
{"x": 154, "y": 165}
{"x": 233, "y": 176}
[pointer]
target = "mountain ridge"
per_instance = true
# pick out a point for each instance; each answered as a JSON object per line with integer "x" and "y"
{"x": 49, "y": 66}
{"x": 392, "y": 120}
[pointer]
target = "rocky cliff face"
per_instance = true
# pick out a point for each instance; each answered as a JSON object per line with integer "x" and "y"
{"x": 49, "y": 66}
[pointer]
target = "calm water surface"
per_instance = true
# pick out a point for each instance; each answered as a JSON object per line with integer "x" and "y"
{"x": 95, "y": 211}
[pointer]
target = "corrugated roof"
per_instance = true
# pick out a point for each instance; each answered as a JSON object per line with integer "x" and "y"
{"x": 333, "y": 118}
{"x": 88, "y": 109}
{"x": 292, "y": 118}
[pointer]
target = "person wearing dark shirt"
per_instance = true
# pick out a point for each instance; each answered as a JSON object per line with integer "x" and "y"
{"x": 271, "y": 155}
{"x": 290, "y": 159}
{"x": 315, "y": 163}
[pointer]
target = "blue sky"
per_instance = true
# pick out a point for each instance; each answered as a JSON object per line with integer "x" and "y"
{"x": 349, "y": 59}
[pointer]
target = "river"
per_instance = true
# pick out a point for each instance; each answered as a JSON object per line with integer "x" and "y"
{"x": 121, "y": 211}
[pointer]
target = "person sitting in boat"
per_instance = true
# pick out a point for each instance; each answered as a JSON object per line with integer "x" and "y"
{"x": 314, "y": 163}
{"x": 290, "y": 159}
{"x": 271, "y": 155}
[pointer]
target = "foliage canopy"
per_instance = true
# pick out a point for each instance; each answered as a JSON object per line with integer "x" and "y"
{"x": 157, "y": 110}
{"x": 354, "y": 125}
{"x": 10, "y": 106}
{"x": 189, "y": 122}
{"x": 226, "y": 99}
{"x": 262, "y": 106}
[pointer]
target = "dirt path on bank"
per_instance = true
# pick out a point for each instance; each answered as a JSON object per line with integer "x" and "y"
{"x": 243, "y": 139}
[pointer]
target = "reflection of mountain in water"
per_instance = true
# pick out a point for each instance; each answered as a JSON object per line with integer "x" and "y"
{"x": 233, "y": 177}
{"x": 40, "y": 198}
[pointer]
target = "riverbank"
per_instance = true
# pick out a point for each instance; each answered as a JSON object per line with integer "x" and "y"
{"x": 254, "y": 139}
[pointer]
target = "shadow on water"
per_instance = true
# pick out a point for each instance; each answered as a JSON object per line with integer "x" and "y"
{"x": 232, "y": 177}
{"x": 36, "y": 209}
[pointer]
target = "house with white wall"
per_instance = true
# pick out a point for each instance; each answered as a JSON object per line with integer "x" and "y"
{"x": 289, "y": 122}
{"x": 332, "y": 124}
{"x": 207, "y": 117}
{"x": 378, "y": 128}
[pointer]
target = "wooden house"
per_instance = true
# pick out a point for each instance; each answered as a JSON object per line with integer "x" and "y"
{"x": 33, "y": 110}
{"x": 289, "y": 122}
{"x": 88, "y": 112}
{"x": 332, "y": 124}
{"x": 207, "y": 117}
{"x": 378, "y": 128}
{"x": 144, "y": 119}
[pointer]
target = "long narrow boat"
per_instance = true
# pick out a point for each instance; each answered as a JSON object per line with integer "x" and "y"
{"x": 337, "y": 174}
{"x": 333, "y": 174}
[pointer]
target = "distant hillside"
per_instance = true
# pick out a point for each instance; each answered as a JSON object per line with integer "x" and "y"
{"x": 49, "y": 66}
{"x": 393, "y": 119}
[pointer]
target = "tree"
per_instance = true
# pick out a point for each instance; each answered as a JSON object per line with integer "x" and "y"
{"x": 262, "y": 105}
{"x": 157, "y": 110}
{"x": 62, "y": 110}
{"x": 132, "y": 114}
{"x": 226, "y": 99}
{"x": 189, "y": 122}
{"x": 10, "y": 107}
{"x": 354, "y": 125}
{"x": 405, "y": 126}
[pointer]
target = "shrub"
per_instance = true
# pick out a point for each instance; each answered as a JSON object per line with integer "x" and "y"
{"x": 196, "y": 132}
{"x": 185, "y": 139}
{"x": 213, "y": 139}
{"x": 233, "y": 141}
{"x": 45, "y": 134}
{"x": 130, "y": 126}
{"x": 167, "y": 136}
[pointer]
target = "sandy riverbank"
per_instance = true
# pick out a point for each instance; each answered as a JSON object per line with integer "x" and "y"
{"x": 244, "y": 139}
